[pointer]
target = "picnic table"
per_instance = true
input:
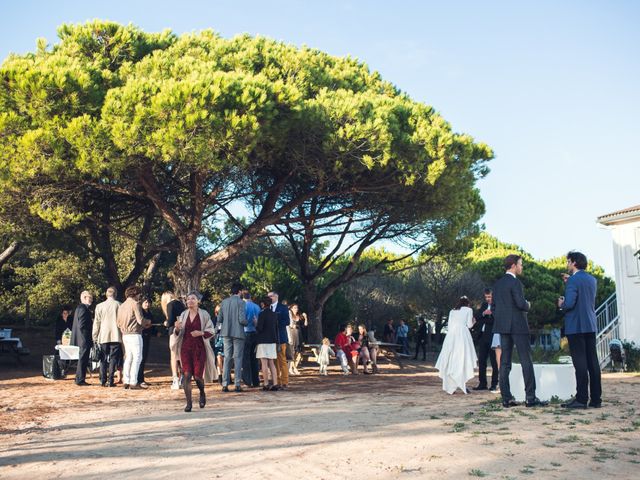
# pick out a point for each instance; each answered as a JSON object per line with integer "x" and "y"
{"x": 387, "y": 350}
{"x": 11, "y": 346}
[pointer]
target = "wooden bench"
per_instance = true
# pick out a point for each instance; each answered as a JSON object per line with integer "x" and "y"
{"x": 388, "y": 351}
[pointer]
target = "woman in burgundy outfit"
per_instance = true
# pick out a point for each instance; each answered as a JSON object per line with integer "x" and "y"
{"x": 194, "y": 329}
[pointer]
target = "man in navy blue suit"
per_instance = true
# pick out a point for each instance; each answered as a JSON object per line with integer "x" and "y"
{"x": 579, "y": 303}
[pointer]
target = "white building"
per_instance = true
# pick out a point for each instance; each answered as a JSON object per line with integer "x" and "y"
{"x": 625, "y": 230}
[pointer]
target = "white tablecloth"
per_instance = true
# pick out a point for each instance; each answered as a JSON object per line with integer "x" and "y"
{"x": 68, "y": 352}
{"x": 551, "y": 379}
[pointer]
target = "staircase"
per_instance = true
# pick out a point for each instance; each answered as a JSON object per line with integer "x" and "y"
{"x": 608, "y": 322}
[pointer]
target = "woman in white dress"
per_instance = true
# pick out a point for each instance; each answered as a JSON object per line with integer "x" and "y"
{"x": 457, "y": 359}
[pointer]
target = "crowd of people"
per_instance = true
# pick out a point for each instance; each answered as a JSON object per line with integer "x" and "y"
{"x": 501, "y": 323}
{"x": 267, "y": 337}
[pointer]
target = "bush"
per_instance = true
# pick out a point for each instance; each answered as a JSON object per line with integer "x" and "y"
{"x": 632, "y": 353}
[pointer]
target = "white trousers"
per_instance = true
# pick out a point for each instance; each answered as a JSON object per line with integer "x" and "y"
{"x": 132, "y": 359}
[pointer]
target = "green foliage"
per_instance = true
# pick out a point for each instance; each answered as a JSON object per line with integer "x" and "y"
{"x": 48, "y": 280}
{"x": 264, "y": 274}
{"x": 632, "y": 356}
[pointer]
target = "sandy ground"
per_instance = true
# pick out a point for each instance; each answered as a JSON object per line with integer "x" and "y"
{"x": 398, "y": 424}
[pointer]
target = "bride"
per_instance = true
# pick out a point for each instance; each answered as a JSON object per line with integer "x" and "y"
{"x": 457, "y": 359}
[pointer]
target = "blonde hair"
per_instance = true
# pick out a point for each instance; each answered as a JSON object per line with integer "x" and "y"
{"x": 325, "y": 341}
{"x": 166, "y": 297}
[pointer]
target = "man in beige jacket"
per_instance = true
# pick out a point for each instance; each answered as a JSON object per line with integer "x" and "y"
{"x": 107, "y": 334}
{"x": 131, "y": 322}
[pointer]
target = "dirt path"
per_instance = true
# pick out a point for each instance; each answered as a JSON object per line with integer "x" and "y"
{"x": 399, "y": 424}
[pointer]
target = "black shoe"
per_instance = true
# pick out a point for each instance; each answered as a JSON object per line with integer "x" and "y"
{"x": 574, "y": 404}
{"x": 493, "y": 388}
{"x": 111, "y": 384}
{"x": 510, "y": 403}
{"x": 225, "y": 389}
{"x": 203, "y": 400}
{"x": 480, "y": 387}
{"x": 238, "y": 389}
{"x": 187, "y": 407}
{"x": 103, "y": 384}
{"x": 82, "y": 384}
{"x": 126, "y": 386}
{"x": 593, "y": 404}
{"x": 536, "y": 402}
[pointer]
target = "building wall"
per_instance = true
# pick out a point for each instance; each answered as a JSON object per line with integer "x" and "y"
{"x": 626, "y": 241}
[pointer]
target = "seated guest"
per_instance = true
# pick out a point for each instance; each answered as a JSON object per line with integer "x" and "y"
{"x": 368, "y": 349}
{"x": 347, "y": 349}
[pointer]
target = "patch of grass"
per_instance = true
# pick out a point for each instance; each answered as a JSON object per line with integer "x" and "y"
{"x": 584, "y": 421}
{"x": 528, "y": 470}
{"x": 569, "y": 439}
{"x": 468, "y": 415}
{"x": 633, "y": 451}
{"x": 556, "y": 464}
{"x": 548, "y": 445}
{"x": 633, "y": 460}
{"x": 603, "y": 416}
{"x": 518, "y": 441}
{"x": 434, "y": 417}
{"x": 475, "y": 472}
{"x": 458, "y": 427}
{"x": 576, "y": 452}
{"x": 603, "y": 454}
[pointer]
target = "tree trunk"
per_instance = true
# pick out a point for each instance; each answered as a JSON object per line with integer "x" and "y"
{"x": 186, "y": 274}
{"x": 314, "y": 313}
{"x": 27, "y": 314}
{"x": 439, "y": 325}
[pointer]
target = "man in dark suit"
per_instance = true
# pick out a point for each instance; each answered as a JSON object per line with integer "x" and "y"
{"x": 484, "y": 323}
{"x": 283, "y": 339}
{"x": 81, "y": 335}
{"x": 580, "y": 328}
{"x": 510, "y": 321}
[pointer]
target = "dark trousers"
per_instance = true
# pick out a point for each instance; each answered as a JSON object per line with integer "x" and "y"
{"x": 421, "y": 343}
{"x": 485, "y": 351}
{"x": 585, "y": 360}
{"x": 250, "y": 368}
{"x": 521, "y": 341}
{"x": 110, "y": 354}
{"x": 404, "y": 341}
{"x": 83, "y": 362}
{"x": 146, "y": 341}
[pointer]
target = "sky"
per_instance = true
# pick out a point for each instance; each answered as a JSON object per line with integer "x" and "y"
{"x": 551, "y": 86}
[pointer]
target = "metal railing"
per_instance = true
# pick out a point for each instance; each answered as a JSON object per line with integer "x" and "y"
{"x": 608, "y": 322}
{"x": 602, "y": 344}
{"x": 606, "y": 314}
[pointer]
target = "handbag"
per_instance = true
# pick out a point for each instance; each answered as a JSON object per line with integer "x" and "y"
{"x": 95, "y": 354}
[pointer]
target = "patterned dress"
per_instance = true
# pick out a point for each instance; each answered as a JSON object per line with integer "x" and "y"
{"x": 193, "y": 356}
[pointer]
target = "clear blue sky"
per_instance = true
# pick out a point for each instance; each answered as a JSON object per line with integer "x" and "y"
{"x": 552, "y": 87}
